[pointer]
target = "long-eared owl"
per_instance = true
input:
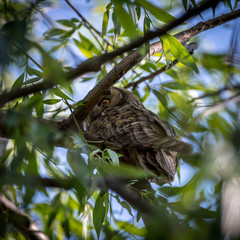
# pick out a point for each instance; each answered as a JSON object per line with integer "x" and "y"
{"x": 140, "y": 135}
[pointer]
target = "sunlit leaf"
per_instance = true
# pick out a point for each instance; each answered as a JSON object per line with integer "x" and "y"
{"x": 125, "y": 19}
{"x": 180, "y": 52}
{"x": 105, "y": 22}
{"x": 133, "y": 13}
{"x": 54, "y": 32}
{"x": 113, "y": 156}
{"x": 160, "y": 14}
{"x": 67, "y": 23}
{"x": 117, "y": 26}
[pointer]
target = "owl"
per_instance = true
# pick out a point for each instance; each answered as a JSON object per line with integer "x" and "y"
{"x": 143, "y": 139}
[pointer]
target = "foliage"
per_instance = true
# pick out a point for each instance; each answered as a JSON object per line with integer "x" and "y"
{"x": 199, "y": 96}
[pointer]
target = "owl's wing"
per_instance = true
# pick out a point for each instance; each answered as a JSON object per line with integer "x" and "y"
{"x": 150, "y": 132}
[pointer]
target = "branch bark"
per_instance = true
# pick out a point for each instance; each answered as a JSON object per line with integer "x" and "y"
{"x": 131, "y": 60}
{"x": 94, "y": 64}
{"x": 20, "y": 220}
{"x": 117, "y": 184}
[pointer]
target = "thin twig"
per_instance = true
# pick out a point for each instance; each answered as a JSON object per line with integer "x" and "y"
{"x": 94, "y": 64}
{"x": 150, "y": 76}
{"x": 88, "y": 25}
{"x": 75, "y": 120}
{"x": 82, "y": 17}
{"x": 217, "y": 93}
{"x": 219, "y": 106}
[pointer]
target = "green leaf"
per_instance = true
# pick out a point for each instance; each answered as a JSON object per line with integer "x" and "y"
{"x": 86, "y": 46}
{"x": 146, "y": 28}
{"x": 131, "y": 229}
{"x": 122, "y": 170}
{"x": 180, "y": 52}
{"x": 133, "y": 13}
{"x": 113, "y": 156}
{"x": 32, "y": 71}
{"x": 18, "y": 83}
{"x": 161, "y": 97}
{"x": 54, "y": 32}
{"x": 99, "y": 213}
{"x": 175, "y": 86}
{"x": 117, "y": 26}
{"x": 185, "y": 2}
{"x": 125, "y": 20}
{"x": 166, "y": 50}
{"x": 51, "y": 101}
{"x": 161, "y": 15}
{"x": 78, "y": 164}
{"x": 60, "y": 93}
{"x": 53, "y": 70}
{"x": 124, "y": 204}
{"x": 105, "y": 22}
{"x": 67, "y": 23}
{"x": 39, "y": 108}
{"x": 32, "y": 80}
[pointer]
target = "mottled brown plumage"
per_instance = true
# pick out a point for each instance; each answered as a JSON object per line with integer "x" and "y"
{"x": 139, "y": 134}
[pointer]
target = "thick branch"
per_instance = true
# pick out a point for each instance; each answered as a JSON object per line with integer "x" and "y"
{"x": 117, "y": 184}
{"x": 20, "y": 220}
{"x": 94, "y": 64}
{"x": 131, "y": 60}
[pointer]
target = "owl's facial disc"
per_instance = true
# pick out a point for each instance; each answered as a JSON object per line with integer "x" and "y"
{"x": 107, "y": 102}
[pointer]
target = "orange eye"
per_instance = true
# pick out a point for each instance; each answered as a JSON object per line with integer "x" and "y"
{"x": 105, "y": 102}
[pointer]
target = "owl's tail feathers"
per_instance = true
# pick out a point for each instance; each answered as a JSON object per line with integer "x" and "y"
{"x": 173, "y": 144}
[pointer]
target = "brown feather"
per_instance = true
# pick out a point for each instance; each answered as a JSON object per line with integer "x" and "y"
{"x": 140, "y": 135}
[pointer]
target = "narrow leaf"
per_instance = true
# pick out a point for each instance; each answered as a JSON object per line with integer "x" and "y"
{"x": 39, "y": 108}
{"x": 105, "y": 23}
{"x": 54, "y": 32}
{"x": 18, "y": 83}
{"x": 117, "y": 26}
{"x": 113, "y": 156}
{"x": 67, "y": 23}
{"x": 99, "y": 214}
{"x": 60, "y": 93}
{"x": 160, "y": 14}
{"x": 133, "y": 13}
{"x": 51, "y": 101}
{"x": 180, "y": 52}
{"x": 125, "y": 20}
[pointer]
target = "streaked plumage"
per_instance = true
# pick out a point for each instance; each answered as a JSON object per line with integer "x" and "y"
{"x": 140, "y": 135}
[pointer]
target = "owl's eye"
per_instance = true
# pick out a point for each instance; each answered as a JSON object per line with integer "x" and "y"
{"x": 104, "y": 102}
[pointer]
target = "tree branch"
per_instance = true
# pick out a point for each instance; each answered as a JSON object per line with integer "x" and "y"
{"x": 131, "y": 60}
{"x": 191, "y": 48}
{"x": 20, "y": 220}
{"x": 117, "y": 184}
{"x": 94, "y": 64}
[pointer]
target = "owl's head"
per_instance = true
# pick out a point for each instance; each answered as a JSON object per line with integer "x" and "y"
{"x": 118, "y": 97}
